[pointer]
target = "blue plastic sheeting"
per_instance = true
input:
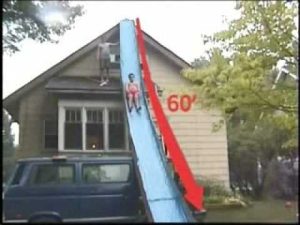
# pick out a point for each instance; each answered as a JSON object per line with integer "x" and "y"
{"x": 162, "y": 195}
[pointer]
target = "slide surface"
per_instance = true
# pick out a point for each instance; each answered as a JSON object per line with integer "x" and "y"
{"x": 162, "y": 196}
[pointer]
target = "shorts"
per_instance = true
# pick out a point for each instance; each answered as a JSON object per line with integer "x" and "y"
{"x": 104, "y": 63}
{"x": 133, "y": 94}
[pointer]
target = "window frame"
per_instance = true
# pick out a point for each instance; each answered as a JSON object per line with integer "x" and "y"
{"x": 84, "y": 105}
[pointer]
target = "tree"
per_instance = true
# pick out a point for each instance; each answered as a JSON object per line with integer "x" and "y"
{"x": 239, "y": 80}
{"x": 200, "y": 63}
{"x": 239, "y": 74}
{"x": 248, "y": 148}
{"x": 31, "y": 19}
{"x": 8, "y": 149}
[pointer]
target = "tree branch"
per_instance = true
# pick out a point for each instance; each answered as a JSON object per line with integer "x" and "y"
{"x": 267, "y": 26}
{"x": 277, "y": 107}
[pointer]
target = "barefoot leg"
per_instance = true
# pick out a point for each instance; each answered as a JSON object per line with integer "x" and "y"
{"x": 137, "y": 101}
{"x": 130, "y": 101}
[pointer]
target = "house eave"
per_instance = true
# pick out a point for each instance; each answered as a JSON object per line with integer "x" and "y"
{"x": 79, "y": 91}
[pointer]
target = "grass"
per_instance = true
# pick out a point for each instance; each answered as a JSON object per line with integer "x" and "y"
{"x": 267, "y": 211}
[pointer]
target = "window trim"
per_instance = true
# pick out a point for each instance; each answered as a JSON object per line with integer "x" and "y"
{"x": 64, "y": 104}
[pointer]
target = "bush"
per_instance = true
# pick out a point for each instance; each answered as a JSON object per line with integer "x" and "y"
{"x": 214, "y": 199}
{"x": 215, "y": 193}
{"x": 214, "y": 188}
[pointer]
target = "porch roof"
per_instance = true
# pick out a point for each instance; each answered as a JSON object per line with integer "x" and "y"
{"x": 82, "y": 85}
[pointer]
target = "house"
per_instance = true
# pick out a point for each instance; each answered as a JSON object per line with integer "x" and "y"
{"x": 64, "y": 111}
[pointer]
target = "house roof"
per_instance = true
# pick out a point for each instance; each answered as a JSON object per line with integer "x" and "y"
{"x": 10, "y": 103}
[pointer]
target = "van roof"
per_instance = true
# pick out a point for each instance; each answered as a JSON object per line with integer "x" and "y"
{"x": 78, "y": 158}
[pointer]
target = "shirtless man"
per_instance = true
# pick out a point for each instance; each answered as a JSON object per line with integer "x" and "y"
{"x": 103, "y": 57}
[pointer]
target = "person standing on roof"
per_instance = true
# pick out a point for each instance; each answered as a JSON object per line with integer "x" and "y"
{"x": 103, "y": 57}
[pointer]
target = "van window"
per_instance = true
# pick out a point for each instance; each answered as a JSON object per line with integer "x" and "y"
{"x": 18, "y": 175}
{"x": 52, "y": 174}
{"x": 95, "y": 173}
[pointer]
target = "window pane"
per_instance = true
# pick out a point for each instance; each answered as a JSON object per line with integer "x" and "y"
{"x": 95, "y": 116}
{"x": 68, "y": 117}
{"x": 94, "y": 129}
{"x": 50, "y": 134}
{"x": 18, "y": 175}
{"x": 105, "y": 173}
{"x": 51, "y": 141}
{"x": 94, "y": 136}
{"x": 78, "y": 116}
{"x": 114, "y": 173}
{"x": 73, "y": 136}
{"x": 51, "y": 127}
{"x": 89, "y": 115}
{"x": 116, "y": 130}
{"x": 73, "y": 115}
{"x": 52, "y": 174}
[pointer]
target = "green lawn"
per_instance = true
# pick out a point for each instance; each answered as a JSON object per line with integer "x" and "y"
{"x": 270, "y": 211}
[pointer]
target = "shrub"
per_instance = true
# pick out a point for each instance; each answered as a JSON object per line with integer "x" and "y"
{"x": 216, "y": 193}
{"x": 214, "y": 188}
{"x": 214, "y": 199}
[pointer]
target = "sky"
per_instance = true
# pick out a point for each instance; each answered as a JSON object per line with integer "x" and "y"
{"x": 177, "y": 25}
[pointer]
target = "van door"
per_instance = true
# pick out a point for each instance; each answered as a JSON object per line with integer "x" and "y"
{"x": 108, "y": 191}
{"x": 49, "y": 187}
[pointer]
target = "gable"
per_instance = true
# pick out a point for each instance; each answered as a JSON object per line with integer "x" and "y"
{"x": 83, "y": 58}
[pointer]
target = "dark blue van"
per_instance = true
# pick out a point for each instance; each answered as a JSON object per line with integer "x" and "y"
{"x": 73, "y": 189}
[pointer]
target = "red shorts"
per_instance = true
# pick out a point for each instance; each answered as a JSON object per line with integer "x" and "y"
{"x": 133, "y": 94}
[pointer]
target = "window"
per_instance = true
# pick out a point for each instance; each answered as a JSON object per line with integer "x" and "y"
{"x": 94, "y": 129}
{"x": 91, "y": 126}
{"x": 18, "y": 175}
{"x": 116, "y": 129}
{"x": 50, "y": 131}
{"x": 73, "y": 129}
{"x": 115, "y": 58}
{"x": 94, "y": 173}
{"x": 52, "y": 174}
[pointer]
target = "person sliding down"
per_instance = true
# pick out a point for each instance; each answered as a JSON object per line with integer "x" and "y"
{"x": 133, "y": 92}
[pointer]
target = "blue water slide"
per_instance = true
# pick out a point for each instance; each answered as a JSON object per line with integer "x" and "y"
{"x": 161, "y": 195}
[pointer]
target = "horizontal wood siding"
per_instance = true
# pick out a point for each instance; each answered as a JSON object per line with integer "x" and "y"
{"x": 35, "y": 107}
{"x": 205, "y": 150}
{"x": 87, "y": 66}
